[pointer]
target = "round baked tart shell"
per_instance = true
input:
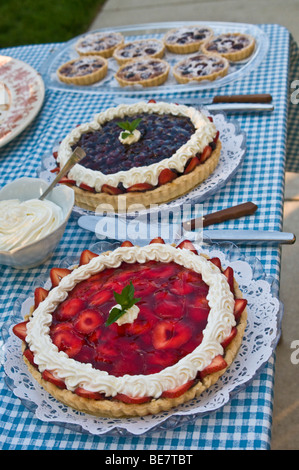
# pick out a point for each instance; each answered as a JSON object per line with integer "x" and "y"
{"x": 119, "y": 409}
{"x": 106, "y": 53}
{"x": 87, "y": 79}
{"x": 185, "y": 48}
{"x": 233, "y": 56}
{"x": 122, "y": 60}
{"x": 211, "y": 77}
{"x": 149, "y": 82}
{"x": 160, "y": 195}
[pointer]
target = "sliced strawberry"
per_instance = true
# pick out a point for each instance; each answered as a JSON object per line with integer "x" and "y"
{"x": 68, "y": 341}
{"x": 55, "y": 170}
{"x": 177, "y": 391}
{"x": 86, "y": 256}
{"x": 188, "y": 246}
{"x": 20, "y": 330}
{"x": 216, "y": 261}
{"x": 46, "y": 375}
{"x": 191, "y": 164}
{"x": 29, "y": 356}
{"x": 157, "y": 240}
{"x": 181, "y": 288}
{"x": 100, "y": 297}
{"x": 134, "y": 400}
{"x": 168, "y": 334}
{"x": 69, "y": 309}
{"x": 87, "y": 321}
{"x": 127, "y": 243}
{"x": 88, "y": 394}
{"x": 39, "y": 295}
{"x": 66, "y": 180}
{"x": 218, "y": 363}
{"x": 86, "y": 187}
{"x": 139, "y": 187}
{"x": 206, "y": 153}
{"x": 166, "y": 176}
{"x": 240, "y": 305}
{"x": 230, "y": 337}
{"x": 229, "y": 274}
{"x": 55, "y": 155}
{"x": 112, "y": 190}
{"x": 56, "y": 274}
{"x": 210, "y": 118}
{"x": 152, "y": 101}
{"x": 216, "y": 137}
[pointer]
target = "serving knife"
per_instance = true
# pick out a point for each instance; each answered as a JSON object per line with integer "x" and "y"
{"x": 228, "y": 103}
{"x": 96, "y": 225}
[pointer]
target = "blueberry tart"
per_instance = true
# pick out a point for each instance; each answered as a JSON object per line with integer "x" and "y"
{"x": 232, "y": 46}
{"x": 199, "y": 67}
{"x": 146, "y": 153}
{"x": 146, "y": 71}
{"x": 102, "y": 44}
{"x": 84, "y": 70}
{"x": 187, "y": 39}
{"x": 140, "y": 48}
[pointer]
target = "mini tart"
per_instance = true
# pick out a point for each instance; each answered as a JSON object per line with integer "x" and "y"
{"x": 102, "y": 44}
{"x": 167, "y": 356}
{"x": 232, "y": 46}
{"x": 199, "y": 67}
{"x": 140, "y": 48}
{"x": 84, "y": 70}
{"x": 147, "y": 72}
{"x": 179, "y": 147}
{"x": 187, "y": 39}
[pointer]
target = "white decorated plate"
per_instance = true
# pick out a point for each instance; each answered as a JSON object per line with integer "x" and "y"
{"x": 261, "y": 336}
{"x": 22, "y": 94}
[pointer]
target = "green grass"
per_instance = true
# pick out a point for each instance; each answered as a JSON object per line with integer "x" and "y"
{"x": 43, "y": 21}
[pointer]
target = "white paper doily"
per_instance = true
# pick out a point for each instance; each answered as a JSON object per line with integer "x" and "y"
{"x": 261, "y": 336}
{"x": 233, "y": 151}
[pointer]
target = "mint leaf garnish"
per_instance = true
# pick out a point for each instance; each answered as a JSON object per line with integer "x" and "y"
{"x": 126, "y": 300}
{"x": 129, "y": 126}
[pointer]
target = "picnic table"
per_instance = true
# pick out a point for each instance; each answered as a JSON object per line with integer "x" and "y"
{"x": 245, "y": 421}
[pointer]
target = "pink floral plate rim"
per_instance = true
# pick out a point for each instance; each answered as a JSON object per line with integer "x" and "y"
{"x": 24, "y": 96}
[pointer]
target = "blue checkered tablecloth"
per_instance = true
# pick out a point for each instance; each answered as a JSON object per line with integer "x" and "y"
{"x": 244, "y": 423}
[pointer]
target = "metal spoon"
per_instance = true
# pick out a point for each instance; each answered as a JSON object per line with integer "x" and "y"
{"x": 76, "y": 156}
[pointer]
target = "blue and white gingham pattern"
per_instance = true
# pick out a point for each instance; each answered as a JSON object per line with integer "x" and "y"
{"x": 244, "y": 423}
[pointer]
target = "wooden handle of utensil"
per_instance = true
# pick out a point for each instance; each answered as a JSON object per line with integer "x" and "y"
{"x": 256, "y": 98}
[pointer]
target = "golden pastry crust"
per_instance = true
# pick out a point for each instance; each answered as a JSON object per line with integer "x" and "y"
{"x": 155, "y": 78}
{"x": 94, "y": 73}
{"x": 187, "y": 39}
{"x": 190, "y": 69}
{"x": 160, "y": 195}
{"x": 137, "y": 49}
{"x": 229, "y": 53}
{"x": 100, "y": 44}
{"x": 118, "y": 409}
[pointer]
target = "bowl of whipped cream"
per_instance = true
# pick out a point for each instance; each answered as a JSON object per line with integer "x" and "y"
{"x": 31, "y": 229}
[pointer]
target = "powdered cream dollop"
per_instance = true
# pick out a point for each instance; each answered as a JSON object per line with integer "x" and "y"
{"x": 24, "y": 222}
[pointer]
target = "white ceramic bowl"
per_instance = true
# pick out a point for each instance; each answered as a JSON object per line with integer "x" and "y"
{"x": 37, "y": 252}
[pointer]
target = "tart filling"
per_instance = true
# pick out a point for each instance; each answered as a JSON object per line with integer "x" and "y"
{"x": 102, "y": 44}
{"x": 163, "y": 353}
{"x": 140, "y": 48}
{"x": 232, "y": 46}
{"x": 200, "y": 67}
{"x": 159, "y": 126}
{"x": 144, "y": 71}
{"x": 83, "y": 71}
{"x": 187, "y": 39}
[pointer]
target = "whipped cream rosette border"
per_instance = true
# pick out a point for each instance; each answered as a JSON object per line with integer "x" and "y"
{"x": 221, "y": 320}
{"x": 205, "y": 132}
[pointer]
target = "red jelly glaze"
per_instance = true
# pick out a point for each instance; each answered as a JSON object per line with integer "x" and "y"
{"x": 173, "y": 314}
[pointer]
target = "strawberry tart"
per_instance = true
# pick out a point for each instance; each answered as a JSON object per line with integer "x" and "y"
{"x": 145, "y": 153}
{"x": 134, "y": 331}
